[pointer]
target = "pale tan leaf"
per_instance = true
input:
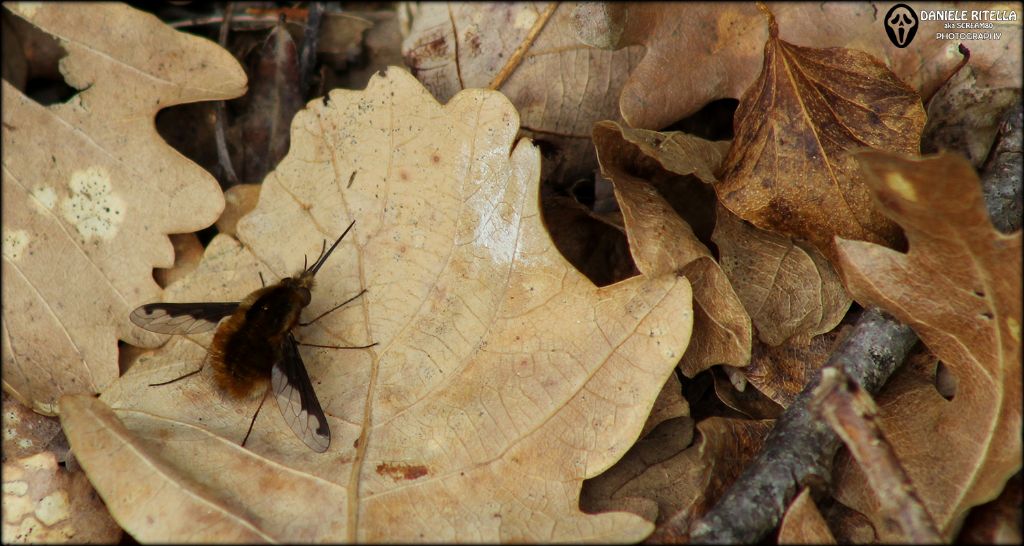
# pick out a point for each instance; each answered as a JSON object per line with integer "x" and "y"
{"x": 187, "y": 253}
{"x": 560, "y": 87}
{"x": 502, "y": 377}
{"x": 239, "y": 200}
{"x": 959, "y": 288}
{"x": 90, "y": 191}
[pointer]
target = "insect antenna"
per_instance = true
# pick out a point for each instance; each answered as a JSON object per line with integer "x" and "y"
{"x": 324, "y": 255}
{"x": 336, "y": 307}
{"x": 263, "y": 282}
{"x": 253, "y": 422}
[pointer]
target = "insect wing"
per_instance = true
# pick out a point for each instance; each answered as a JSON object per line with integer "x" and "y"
{"x": 297, "y": 400}
{"x": 181, "y": 318}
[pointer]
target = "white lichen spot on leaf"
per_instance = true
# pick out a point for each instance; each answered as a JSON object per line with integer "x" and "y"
{"x": 15, "y": 242}
{"x": 53, "y": 508}
{"x": 93, "y": 207}
{"x": 44, "y": 197}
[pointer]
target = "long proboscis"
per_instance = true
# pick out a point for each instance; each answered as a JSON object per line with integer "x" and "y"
{"x": 323, "y": 258}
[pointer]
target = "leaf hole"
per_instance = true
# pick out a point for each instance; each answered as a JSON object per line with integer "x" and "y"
{"x": 31, "y": 62}
{"x": 595, "y": 247}
{"x": 712, "y": 122}
{"x": 946, "y": 381}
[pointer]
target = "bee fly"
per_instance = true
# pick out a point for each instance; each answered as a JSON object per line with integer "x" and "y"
{"x": 256, "y": 342}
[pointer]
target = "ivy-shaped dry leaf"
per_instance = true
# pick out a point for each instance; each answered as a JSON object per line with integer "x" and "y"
{"x": 789, "y": 169}
{"x": 661, "y": 242}
{"x": 959, "y": 288}
{"x": 90, "y": 191}
{"x": 501, "y": 379}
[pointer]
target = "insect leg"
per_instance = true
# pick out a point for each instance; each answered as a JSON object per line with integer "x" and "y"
{"x": 189, "y": 374}
{"x": 339, "y": 306}
{"x": 177, "y": 379}
{"x": 253, "y": 422}
{"x": 297, "y": 342}
{"x": 263, "y": 282}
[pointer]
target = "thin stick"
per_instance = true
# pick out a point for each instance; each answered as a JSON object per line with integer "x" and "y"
{"x": 853, "y": 415}
{"x": 517, "y": 55}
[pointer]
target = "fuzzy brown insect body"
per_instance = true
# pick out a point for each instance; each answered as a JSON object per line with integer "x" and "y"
{"x": 249, "y": 343}
{"x": 255, "y": 346}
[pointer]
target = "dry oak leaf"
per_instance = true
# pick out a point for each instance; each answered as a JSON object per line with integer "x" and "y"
{"x": 90, "y": 191}
{"x": 697, "y": 52}
{"x": 678, "y": 476}
{"x": 663, "y": 243}
{"x": 559, "y": 86}
{"x": 803, "y": 523}
{"x": 45, "y": 503}
{"x": 789, "y": 289}
{"x": 501, "y": 380}
{"x": 782, "y": 372}
{"x": 26, "y": 432}
{"x": 789, "y": 169}
{"x": 959, "y": 288}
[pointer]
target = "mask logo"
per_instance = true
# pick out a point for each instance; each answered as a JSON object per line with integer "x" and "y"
{"x": 901, "y": 25}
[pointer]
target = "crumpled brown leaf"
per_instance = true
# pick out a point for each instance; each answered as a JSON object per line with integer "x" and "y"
{"x": 965, "y": 117}
{"x": 90, "y": 191}
{"x": 789, "y": 168}
{"x": 661, "y": 243}
{"x": 45, "y": 503}
{"x": 789, "y": 289}
{"x": 560, "y": 88}
{"x": 27, "y": 433}
{"x": 676, "y": 475}
{"x": 959, "y": 288}
{"x": 701, "y": 51}
{"x": 781, "y": 372}
{"x": 501, "y": 379}
{"x": 275, "y": 96}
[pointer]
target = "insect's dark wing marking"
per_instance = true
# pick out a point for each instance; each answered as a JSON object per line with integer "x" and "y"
{"x": 297, "y": 400}
{"x": 181, "y": 318}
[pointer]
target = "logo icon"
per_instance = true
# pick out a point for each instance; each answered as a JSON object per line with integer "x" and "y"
{"x": 901, "y": 25}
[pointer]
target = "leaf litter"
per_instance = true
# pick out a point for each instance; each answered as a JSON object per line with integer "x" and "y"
{"x": 500, "y": 367}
